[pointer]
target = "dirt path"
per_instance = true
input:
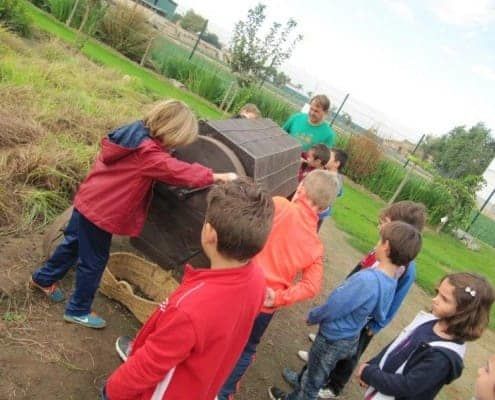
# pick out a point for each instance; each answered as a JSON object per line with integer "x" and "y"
{"x": 43, "y": 357}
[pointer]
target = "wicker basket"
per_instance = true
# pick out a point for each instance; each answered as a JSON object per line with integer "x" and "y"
{"x": 126, "y": 269}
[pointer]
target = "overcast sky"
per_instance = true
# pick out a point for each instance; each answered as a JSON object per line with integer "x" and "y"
{"x": 411, "y": 67}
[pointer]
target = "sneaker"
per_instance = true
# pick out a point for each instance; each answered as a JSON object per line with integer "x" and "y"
{"x": 123, "y": 345}
{"x": 327, "y": 393}
{"x": 276, "y": 394}
{"x": 303, "y": 355}
{"x": 89, "y": 320}
{"x": 291, "y": 377}
{"x": 312, "y": 336}
{"x": 53, "y": 292}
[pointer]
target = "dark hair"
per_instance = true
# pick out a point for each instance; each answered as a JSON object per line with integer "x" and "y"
{"x": 340, "y": 156}
{"x": 242, "y": 216}
{"x": 404, "y": 241}
{"x": 321, "y": 152}
{"x": 322, "y": 100}
{"x": 474, "y": 297}
{"x": 406, "y": 211}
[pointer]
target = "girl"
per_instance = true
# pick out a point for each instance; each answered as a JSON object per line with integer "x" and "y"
{"x": 114, "y": 199}
{"x": 429, "y": 352}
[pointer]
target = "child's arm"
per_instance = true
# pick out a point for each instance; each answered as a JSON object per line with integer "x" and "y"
{"x": 403, "y": 286}
{"x": 307, "y": 288}
{"x": 415, "y": 381}
{"x": 163, "y": 350}
{"x": 288, "y": 124}
{"x": 353, "y": 293}
{"x": 162, "y": 166}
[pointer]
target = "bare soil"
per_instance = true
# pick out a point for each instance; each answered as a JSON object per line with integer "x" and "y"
{"x": 42, "y": 357}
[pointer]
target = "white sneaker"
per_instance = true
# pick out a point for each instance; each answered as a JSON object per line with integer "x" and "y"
{"x": 327, "y": 394}
{"x": 303, "y": 355}
{"x": 312, "y": 337}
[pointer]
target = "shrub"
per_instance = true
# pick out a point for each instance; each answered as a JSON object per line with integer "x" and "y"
{"x": 13, "y": 16}
{"x": 364, "y": 156}
{"x": 126, "y": 30}
{"x": 95, "y": 10}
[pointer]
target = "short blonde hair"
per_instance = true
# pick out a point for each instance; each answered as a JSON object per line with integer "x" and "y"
{"x": 173, "y": 123}
{"x": 251, "y": 109}
{"x": 321, "y": 188}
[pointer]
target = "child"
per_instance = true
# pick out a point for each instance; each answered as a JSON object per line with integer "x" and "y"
{"x": 429, "y": 352}
{"x": 315, "y": 158}
{"x": 248, "y": 111}
{"x": 335, "y": 165}
{"x": 367, "y": 293}
{"x": 114, "y": 199}
{"x": 189, "y": 345}
{"x": 405, "y": 211}
{"x": 293, "y": 248}
{"x": 485, "y": 384}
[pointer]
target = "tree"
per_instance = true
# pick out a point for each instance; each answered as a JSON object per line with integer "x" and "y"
{"x": 212, "y": 39}
{"x": 252, "y": 57}
{"x": 192, "y": 22}
{"x": 462, "y": 152}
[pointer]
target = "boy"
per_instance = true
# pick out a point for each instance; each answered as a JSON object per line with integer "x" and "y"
{"x": 248, "y": 111}
{"x": 316, "y": 157}
{"x": 405, "y": 211}
{"x": 367, "y": 293}
{"x": 189, "y": 345}
{"x": 335, "y": 165}
{"x": 293, "y": 247}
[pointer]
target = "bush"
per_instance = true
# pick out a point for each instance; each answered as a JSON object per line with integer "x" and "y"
{"x": 13, "y": 16}
{"x": 364, "y": 156}
{"x": 126, "y": 30}
{"x": 61, "y": 10}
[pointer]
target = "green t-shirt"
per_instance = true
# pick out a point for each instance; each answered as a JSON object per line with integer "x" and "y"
{"x": 308, "y": 135}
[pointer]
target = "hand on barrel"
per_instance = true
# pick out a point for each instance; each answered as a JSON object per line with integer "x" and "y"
{"x": 269, "y": 298}
{"x": 225, "y": 177}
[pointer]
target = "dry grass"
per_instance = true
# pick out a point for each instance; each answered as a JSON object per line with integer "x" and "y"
{"x": 55, "y": 106}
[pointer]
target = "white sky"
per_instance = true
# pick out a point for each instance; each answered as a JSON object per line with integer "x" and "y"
{"x": 426, "y": 65}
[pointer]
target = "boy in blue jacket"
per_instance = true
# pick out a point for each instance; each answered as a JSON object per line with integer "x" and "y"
{"x": 366, "y": 294}
{"x": 406, "y": 211}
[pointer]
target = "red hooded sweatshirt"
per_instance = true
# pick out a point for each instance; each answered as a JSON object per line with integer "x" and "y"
{"x": 189, "y": 346}
{"x": 116, "y": 194}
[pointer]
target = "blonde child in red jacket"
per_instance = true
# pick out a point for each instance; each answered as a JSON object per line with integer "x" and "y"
{"x": 190, "y": 344}
{"x": 114, "y": 199}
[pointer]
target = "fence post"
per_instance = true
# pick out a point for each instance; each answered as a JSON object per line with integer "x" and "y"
{"x": 340, "y": 108}
{"x": 234, "y": 93}
{"x": 145, "y": 55}
{"x": 226, "y": 95}
{"x": 414, "y": 151}
{"x": 71, "y": 15}
{"x": 399, "y": 189}
{"x": 199, "y": 38}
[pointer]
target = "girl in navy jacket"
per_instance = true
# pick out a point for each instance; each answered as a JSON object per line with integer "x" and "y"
{"x": 429, "y": 352}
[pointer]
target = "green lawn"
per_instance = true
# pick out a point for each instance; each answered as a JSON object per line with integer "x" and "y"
{"x": 357, "y": 214}
{"x": 104, "y": 55}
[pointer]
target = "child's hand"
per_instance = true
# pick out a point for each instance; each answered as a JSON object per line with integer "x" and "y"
{"x": 358, "y": 375}
{"x": 269, "y": 297}
{"x": 225, "y": 177}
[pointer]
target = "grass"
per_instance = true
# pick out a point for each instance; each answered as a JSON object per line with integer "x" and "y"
{"x": 483, "y": 229}
{"x": 356, "y": 213}
{"x": 109, "y": 57}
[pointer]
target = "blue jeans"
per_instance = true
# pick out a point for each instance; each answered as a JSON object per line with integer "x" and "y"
{"x": 323, "y": 357}
{"x": 247, "y": 357}
{"x": 88, "y": 246}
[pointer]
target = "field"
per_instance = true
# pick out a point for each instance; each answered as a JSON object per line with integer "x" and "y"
{"x": 55, "y": 106}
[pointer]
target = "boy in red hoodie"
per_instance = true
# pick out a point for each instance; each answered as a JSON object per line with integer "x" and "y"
{"x": 293, "y": 247}
{"x": 190, "y": 344}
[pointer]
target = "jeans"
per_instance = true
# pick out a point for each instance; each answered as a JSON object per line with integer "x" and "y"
{"x": 323, "y": 357}
{"x": 247, "y": 357}
{"x": 343, "y": 370}
{"x": 88, "y": 246}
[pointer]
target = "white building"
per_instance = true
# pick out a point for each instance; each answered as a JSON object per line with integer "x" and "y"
{"x": 483, "y": 194}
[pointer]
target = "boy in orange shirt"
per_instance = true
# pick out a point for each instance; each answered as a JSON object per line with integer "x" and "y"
{"x": 293, "y": 247}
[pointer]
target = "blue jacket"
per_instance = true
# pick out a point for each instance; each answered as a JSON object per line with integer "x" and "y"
{"x": 403, "y": 285}
{"x": 365, "y": 294}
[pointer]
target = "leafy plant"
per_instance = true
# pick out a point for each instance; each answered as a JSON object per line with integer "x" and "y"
{"x": 13, "y": 16}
